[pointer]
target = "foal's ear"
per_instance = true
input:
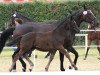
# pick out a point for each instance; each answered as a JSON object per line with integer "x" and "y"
{"x": 84, "y": 6}
{"x": 71, "y": 18}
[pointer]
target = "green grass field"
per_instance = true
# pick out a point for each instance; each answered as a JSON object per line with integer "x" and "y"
{"x": 91, "y": 64}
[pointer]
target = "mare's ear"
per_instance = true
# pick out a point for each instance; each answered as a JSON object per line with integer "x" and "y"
{"x": 70, "y": 11}
{"x": 85, "y": 8}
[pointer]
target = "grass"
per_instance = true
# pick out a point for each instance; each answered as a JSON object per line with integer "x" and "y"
{"x": 91, "y": 64}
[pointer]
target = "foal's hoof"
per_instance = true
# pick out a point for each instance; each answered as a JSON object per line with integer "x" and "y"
{"x": 10, "y": 70}
{"x": 24, "y": 70}
{"x": 46, "y": 69}
{"x": 30, "y": 70}
{"x": 76, "y": 68}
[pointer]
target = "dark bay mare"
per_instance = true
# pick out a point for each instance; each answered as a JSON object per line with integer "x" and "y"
{"x": 80, "y": 15}
{"x": 93, "y": 36}
{"x": 47, "y": 41}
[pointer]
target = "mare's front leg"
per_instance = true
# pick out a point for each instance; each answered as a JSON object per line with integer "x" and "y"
{"x": 61, "y": 61}
{"x": 50, "y": 59}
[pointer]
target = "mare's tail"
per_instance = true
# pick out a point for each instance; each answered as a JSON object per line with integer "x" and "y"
{"x": 4, "y": 36}
{"x": 14, "y": 41}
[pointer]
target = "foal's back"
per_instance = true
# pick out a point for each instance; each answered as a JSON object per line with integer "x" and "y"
{"x": 42, "y": 41}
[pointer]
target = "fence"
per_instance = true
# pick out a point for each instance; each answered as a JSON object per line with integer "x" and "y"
{"x": 77, "y": 35}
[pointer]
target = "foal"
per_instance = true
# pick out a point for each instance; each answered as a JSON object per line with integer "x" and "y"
{"x": 48, "y": 41}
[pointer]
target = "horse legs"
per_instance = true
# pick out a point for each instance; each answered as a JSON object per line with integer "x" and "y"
{"x": 21, "y": 60}
{"x": 30, "y": 62}
{"x": 97, "y": 43}
{"x": 89, "y": 43}
{"x": 15, "y": 58}
{"x": 61, "y": 61}
{"x": 66, "y": 53}
{"x": 23, "y": 64}
{"x": 72, "y": 50}
{"x": 50, "y": 60}
{"x": 48, "y": 54}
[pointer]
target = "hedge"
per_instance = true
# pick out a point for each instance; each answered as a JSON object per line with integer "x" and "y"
{"x": 41, "y": 11}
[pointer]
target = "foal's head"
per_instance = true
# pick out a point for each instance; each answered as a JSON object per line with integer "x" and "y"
{"x": 73, "y": 26}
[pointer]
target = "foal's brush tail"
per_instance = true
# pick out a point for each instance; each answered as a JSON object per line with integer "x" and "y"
{"x": 4, "y": 36}
{"x": 16, "y": 40}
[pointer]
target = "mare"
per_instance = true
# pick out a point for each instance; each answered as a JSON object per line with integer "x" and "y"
{"x": 81, "y": 15}
{"x": 93, "y": 36}
{"x": 47, "y": 41}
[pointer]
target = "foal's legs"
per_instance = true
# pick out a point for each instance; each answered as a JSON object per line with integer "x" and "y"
{"x": 66, "y": 53}
{"x": 30, "y": 62}
{"x": 21, "y": 60}
{"x": 50, "y": 60}
{"x": 15, "y": 58}
{"x": 72, "y": 50}
{"x": 89, "y": 43}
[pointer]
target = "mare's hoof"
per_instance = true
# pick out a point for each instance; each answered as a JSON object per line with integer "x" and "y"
{"x": 30, "y": 70}
{"x": 62, "y": 69}
{"x": 70, "y": 67}
{"x": 84, "y": 59}
{"x": 99, "y": 58}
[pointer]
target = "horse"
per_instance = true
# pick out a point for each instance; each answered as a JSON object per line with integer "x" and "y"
{"x": 93, "y": 36}
{"x": 47, "y": 41}
{"x": 80, "y": 16}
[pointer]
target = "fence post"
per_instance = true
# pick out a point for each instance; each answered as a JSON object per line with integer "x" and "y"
{"x": 86, "y": 42}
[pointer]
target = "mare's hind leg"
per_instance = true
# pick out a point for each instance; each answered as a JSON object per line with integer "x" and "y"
{"x": 89, "y": 43}
{"x": 66, "y": 53}
{"x": 50, "y": 59}
{"x": 30, "y": 62}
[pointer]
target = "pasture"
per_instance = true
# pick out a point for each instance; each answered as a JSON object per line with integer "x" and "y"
{"x": 91, "y": 64}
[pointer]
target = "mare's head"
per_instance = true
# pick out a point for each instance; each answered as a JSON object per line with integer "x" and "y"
{"x": 85, "y": 15}
{"x": 15, "y": 15}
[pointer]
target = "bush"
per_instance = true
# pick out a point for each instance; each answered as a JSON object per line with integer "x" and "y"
{"x": 41, "y": 11}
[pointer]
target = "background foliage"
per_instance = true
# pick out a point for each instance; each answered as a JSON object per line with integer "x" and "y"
{"x": 44, "y": 11}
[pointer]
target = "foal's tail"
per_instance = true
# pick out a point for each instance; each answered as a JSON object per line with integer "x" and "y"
{"x": 14, "y": 41}
{"x": 4, "y": 36}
